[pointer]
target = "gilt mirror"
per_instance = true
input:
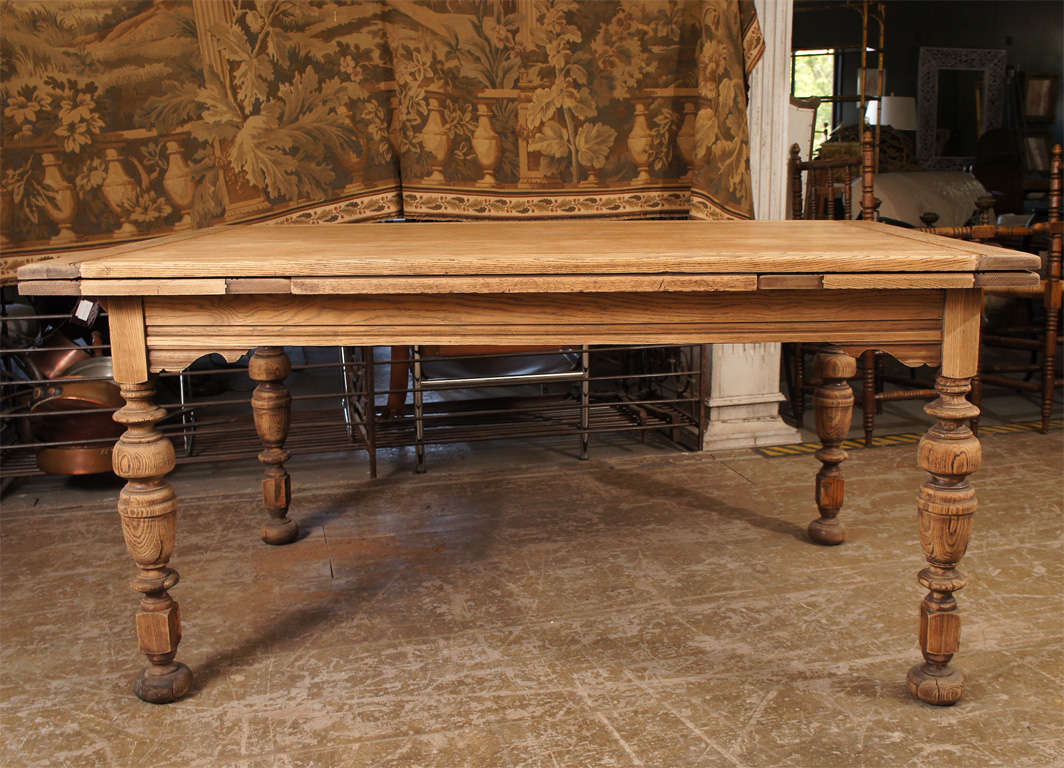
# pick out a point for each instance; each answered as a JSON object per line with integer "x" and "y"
{"x": 959, "y": 98}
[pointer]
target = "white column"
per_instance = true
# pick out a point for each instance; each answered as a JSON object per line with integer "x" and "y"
{"x": 744, "y": 393}
{"x": 770, "y": 98}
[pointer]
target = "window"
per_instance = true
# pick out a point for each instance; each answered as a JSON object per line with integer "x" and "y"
{"x": 813, "y": 74}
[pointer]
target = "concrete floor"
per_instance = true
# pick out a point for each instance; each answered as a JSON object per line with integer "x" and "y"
{"x": 517, "y": 607}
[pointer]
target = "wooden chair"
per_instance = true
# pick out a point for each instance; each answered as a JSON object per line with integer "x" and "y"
{"x": 410, "y": 361}
{"x": 826, "y": 190}
{"x": 1046, "y": 338}
{"x": 421, "y": 383}
{"x": 828, "y": 195}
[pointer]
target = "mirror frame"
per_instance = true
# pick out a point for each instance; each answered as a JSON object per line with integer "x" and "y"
{"x": 991, "y": 61}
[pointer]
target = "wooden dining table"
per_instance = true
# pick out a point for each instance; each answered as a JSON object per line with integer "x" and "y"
{"x": 851, "y": 285}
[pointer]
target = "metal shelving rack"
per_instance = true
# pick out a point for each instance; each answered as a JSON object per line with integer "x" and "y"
{"x": 218, "y": 426}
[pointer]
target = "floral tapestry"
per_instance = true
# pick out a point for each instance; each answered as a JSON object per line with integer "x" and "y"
{"x": 124, "y": 119}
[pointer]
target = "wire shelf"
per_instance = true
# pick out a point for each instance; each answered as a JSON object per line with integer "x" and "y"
{"x": 209, "y": 415}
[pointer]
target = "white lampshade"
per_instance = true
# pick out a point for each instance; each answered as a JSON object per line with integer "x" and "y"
{"x": 899, "y": 112}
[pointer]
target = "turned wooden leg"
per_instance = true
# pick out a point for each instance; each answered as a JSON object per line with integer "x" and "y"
{"x": 833, "y": 402}
{"x": 1049, "y": 363}
{"x": 949, "y": 452}
{"x": 147, "y": 506}
{"x": 1052, "y": 294}
{"x": 798, "y": 393}
{"x": 976, "y": 397}
{"x": 272, "y": 406}
{"x": 976, "y": 393}
{"x": 868, "y": 394}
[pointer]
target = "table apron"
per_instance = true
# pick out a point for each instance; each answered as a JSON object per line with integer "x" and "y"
{"x": 907, "y": 324}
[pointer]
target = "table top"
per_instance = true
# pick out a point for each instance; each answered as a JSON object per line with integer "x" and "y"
{"x": 527, "y": 256}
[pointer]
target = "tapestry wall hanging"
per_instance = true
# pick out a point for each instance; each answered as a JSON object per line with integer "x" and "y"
{"x": 123, "y": 119}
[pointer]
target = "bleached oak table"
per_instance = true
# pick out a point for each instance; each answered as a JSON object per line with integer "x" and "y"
{"x": 857, "y": 285}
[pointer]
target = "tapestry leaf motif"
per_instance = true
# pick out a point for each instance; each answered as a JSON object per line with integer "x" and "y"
{"x": 125, "y": 119}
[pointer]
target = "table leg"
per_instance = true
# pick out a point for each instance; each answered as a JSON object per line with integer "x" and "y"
{"x": 833, "y": 402}
{"x": 272, "y": 407}
{"x": 1049, "y": 363}
{"x": 798, "y": 391}
{"x": 147, "y": 506}
{"x": 949, "y": 452}
{"x": 868, "y": 395}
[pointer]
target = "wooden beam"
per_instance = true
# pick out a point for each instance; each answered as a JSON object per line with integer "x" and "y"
{"x": 214, "y": 286}
{"x": 49, "y": 288}
{"x": 258, "y": 285}
{"x": 523, "y": 284}
{"x": 789, "y": 282}
{"x": 960, "y": 333}
{"x": 129, "y": 350}
{"x": 914, "y": 280}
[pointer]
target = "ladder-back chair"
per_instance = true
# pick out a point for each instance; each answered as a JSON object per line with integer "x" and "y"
{"x": 827, "y": 186}
{"x": 1046, "y": 339}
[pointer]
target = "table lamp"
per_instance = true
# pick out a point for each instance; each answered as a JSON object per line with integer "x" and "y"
{"x": 899, "y": 112}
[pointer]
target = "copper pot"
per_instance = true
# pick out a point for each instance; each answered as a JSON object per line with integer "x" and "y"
{"x": 52, "y": 363}
{"x": 74, "y": 397}
{"x": 74, "y": 460}
{"x": 93, "y": 368}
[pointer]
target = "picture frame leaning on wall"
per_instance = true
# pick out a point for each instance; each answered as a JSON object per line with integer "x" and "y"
{"x": 1040, "y": 98}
